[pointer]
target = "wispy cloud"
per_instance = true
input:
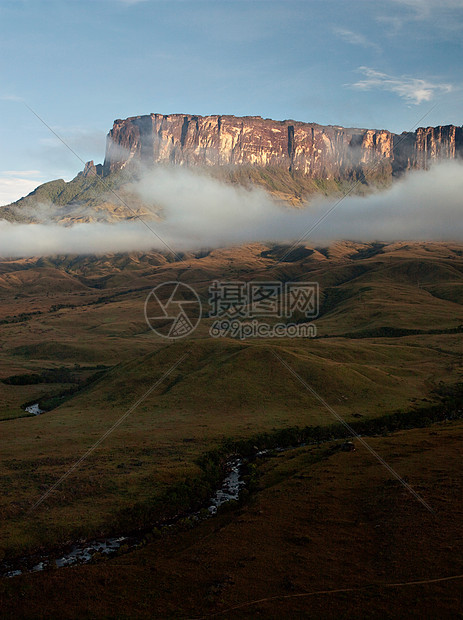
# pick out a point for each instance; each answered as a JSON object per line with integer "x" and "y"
{"x": 13, "y": 187}
{"x": 8, "y": 97}
{"x": 425, "y": 8}
{"x": 130, "y": 2}
{"x": 441, "y": 15}
{"x": 20, "y": 173}
{"x": 355, "y": 38}
{"x": 413, "y": 90}
{"x": 201, "y": 212}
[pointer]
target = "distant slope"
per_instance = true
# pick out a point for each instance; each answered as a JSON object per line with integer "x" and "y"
{"x": 85, "y": 198}
{"x": 90, "y": 197}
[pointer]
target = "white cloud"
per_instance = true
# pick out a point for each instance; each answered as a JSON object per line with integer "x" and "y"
{"x": 12, "y": 188}
{"x": 423, "y": 205}
{"x": 412, "y": 90}
{"x": 424, "y": 8}
{"x": 355, "y": 38}
{"x": 20, "y": 173}
{"x": 201, "y": 212}
{"x": 11, "y": 98}
{"x": 440, "y": 15}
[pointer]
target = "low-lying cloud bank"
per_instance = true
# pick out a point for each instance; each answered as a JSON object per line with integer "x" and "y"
{"x": 199, "y": 211}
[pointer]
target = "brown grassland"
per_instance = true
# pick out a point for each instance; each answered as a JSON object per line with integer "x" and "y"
{"x": 388, "y": 334}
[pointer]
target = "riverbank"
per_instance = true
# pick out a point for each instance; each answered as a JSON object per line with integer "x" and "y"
{"x": 236, "y": 479}
{"x": 314, "y": 525}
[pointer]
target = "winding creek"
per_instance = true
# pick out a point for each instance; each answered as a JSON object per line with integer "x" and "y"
{"x": 83, "y": 553}
{"x": 232, "y": 484}
{"x": 34, "y": 409}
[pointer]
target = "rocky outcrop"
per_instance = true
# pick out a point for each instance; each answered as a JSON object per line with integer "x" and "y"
{"x": 419, "y": 149}
{"x": 320, "y": 152}
{"x": 90, "y": 170}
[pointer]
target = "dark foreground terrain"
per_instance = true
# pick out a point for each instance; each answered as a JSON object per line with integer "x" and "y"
{"x": 327, "y": 534}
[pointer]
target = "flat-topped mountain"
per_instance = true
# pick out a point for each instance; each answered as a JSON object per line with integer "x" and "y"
{"x": 307, "y": 148}
{"x": 290, "y": 159}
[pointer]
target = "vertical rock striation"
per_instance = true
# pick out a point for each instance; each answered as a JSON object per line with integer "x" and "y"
{"x": 316, "y": 151}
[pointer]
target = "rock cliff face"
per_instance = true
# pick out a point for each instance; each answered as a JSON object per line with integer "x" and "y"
{"x": 312, "y": 150}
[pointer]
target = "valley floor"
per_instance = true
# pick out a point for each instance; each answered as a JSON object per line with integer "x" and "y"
{"x": 327, "y": 535}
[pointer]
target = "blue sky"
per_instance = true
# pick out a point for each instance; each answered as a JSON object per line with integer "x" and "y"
{"x": 80, "y": 65}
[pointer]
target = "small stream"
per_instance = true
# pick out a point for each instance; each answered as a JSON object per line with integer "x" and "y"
{"x": 231, "y": 486}
{"x": 34, "y": 409}
{"x": 83, "y": 553}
